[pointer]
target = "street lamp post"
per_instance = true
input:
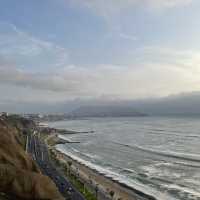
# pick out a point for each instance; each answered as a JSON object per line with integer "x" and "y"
{"x": 96, "y": 190}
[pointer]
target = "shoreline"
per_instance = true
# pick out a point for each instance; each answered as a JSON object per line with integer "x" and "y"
{"x": 92, "y": 177}
{"x": 106, "y": 184}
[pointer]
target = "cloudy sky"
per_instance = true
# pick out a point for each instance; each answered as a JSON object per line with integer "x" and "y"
{"x": 53, "y": 51}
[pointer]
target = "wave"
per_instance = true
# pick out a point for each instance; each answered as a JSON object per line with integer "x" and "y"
{"x": 159, "y": 130}
{"x": 63, "y": 137}
{"x": 182, "y": 156}
{"x": 109, "y": 173}
{"x": 89, "y": 155}
{"x": 127, "y": 170}
{"x": 173, "y": 133}
{"x": 136, "y": 185}
{"x": 185, "y": 192}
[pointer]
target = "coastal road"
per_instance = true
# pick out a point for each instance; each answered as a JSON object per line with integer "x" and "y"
{"x": 40, "y": 154}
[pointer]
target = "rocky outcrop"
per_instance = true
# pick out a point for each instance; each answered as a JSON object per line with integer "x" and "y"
{"x": 20, "y": 177}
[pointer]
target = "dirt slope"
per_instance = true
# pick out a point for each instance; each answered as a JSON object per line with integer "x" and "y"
{"x": 19, "y": 175}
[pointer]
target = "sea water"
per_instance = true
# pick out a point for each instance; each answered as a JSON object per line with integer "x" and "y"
{"x": 157, "y": 155}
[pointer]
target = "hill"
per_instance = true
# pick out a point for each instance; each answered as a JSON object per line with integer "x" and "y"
{"x": 20, "y": 178}
{"x": 105, "y": 111}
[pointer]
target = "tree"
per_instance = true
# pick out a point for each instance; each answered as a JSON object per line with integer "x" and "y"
{"x": 96, "y": 190}
{"x": 112, "y": 193}
{"x": 69, "y": 164}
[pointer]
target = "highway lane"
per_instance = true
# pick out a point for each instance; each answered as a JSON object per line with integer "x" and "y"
{"x": 40, "y": 154}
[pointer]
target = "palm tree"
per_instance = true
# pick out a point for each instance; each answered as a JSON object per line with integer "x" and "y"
{"x": 69, "y": 164}
{"x": 112, "y": 193}
{"x": 96, "y": 190}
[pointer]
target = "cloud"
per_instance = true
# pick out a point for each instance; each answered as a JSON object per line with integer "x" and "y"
{"x": 107, "y": 8}
{"x": 155, "y": 71}
{"x": 25, "y": 49}
{"x": 184, "y": 59}
{"x": 39, "y": 81}
{"x": 128, "y": 37}
{"x": 126, "y": 82}
{"x": 166, "y": 3}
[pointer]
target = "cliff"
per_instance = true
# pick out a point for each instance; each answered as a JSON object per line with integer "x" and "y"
{"x": 20, "y": 178}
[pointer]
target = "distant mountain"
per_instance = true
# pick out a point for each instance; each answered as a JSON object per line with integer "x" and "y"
{"x": 185, "y": 104}
{"x": 105, "y": 111}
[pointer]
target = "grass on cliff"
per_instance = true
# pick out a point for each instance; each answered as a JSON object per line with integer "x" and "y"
{"x": 20, "y": 177}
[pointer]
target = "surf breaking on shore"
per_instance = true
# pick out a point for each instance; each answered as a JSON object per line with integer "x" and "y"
{"x": 165, "y": 171}
{"x": 135, "y": 189}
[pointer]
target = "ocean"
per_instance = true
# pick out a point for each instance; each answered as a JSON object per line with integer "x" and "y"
{"x": 157, "y": 155}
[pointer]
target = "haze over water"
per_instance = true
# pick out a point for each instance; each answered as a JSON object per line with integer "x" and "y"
{"x": 157, "y": 153}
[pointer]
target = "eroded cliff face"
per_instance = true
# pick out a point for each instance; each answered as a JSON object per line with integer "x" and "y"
{"x": 20, "y": 177}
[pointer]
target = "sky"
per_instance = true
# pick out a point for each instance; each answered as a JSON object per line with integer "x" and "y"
{"x": 53, "y": 51}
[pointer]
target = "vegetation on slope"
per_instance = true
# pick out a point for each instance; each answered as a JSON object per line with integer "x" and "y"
{"x": 20, "y": 177}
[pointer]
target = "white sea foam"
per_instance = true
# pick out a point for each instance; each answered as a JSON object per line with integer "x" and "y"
{"x": 89, "y": 155}
{"x": 67, "y": 139}
{"x": 129, "y": 170}
{"x": 161, "y": 170}
{"x": 171, "y": 145}
{"x": 63, "y": 137}
{"x": 75, "y": 150}
{"x": 185, "y": 190}
{"x": 117, "y": 177}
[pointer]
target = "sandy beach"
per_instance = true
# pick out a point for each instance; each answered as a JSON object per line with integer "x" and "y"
{"x": 106, "y": 186}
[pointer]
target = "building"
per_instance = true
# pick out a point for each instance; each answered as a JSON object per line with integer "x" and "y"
{"x": 3, "y": 114}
